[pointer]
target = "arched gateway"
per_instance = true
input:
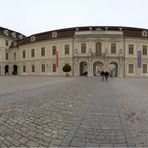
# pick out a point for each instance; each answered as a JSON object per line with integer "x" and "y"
{"x": 83, "y": 68}
{"x": 97, "y": 68}
{"x": 6, "y": 69}
{"x": 113, "y": 69}
{"x": 15, "y": 70}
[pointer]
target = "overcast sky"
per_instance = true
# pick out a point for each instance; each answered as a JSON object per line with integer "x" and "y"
{"x": 34, "y": 16}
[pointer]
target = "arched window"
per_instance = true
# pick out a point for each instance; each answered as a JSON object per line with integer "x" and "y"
{"x": 98, "y": 49}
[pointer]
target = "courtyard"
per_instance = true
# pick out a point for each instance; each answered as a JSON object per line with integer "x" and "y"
{"x": 73, "y": 111}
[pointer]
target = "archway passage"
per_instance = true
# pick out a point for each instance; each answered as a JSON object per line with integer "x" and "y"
{"x": 97, "y": 68}
{"x": 15, "y": 70}
{"x": 83, "y": 68}
{"x": 6, "y": 69}
{"x": 113, "y": 69}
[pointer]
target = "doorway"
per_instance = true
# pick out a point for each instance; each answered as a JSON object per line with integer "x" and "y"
{"x": 6, "y": 69}
{"x": 83, "y": 68}
{"x": 15, "y": 70}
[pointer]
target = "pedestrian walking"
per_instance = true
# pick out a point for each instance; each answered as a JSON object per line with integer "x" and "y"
{"x": 106, "y": 74}
{"x": 102, "y": 75}
{"x": 85, "y": 73}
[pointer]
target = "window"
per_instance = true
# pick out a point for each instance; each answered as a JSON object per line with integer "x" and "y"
{"x": 24, "y": 68}
{"x": 131, "y": 49}
{"x": 7, "y": 56}
{"x": 33, "y": 68}
{"x": 66, "y": 49}
{"x": 144, "y": 68}
{"x": 98, "y": 49}
{"x": 14, "y": 55}
{"x": 24, "y": 54}
{"x": 33, "y": 38}
{"x": 113, "y": 48}
{"x": 43, "y": 67}
{"x": 83, "y": 48}
{"x": 54, "y": 67}
{"x": 54, "y": 50}
{"x": 131, "y": 68}
{"x": 32, "y": 53}
{"x": 42, "y": 51}
{"x": 144, "y": 50}
{"x": 6, "y": 42}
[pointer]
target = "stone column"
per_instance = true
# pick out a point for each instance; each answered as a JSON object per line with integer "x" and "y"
{"x": 90, "y": 66}
{"x": 121, "y": 65}
{"x": 76, "y": 64}
{"x": 106, "y": 61}
{"x": 76, "y": 67}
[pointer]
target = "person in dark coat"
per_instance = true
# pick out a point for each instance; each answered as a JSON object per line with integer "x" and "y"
{"x": 85, "y": 73}
{"x": 102, "y": 75}
{"x": 106, "y": 74}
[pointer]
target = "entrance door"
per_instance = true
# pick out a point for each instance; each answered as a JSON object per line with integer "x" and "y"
{"x": 15, "y": 70}
{"x": 6, "y": 69}
{"x": 83, "y": 68}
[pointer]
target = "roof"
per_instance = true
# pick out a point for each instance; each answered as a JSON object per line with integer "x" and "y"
{"x": 11, "y": 34}
{"x": 70, "y": 32}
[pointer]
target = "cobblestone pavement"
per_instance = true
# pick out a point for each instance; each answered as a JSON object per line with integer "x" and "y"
{"x": 10, "y": 84}
{"x": 79, "y": 112}
{"x": 132, "y": 94}
{"x": 101, "y": 124}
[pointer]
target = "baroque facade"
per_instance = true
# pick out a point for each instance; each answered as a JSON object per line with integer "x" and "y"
{"x": 123, "y": 51}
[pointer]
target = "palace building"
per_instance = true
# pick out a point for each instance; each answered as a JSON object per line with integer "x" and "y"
{"x": 123, "y": 51}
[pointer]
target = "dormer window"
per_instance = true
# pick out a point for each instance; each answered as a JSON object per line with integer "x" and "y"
{"x": 14, "y": 43}
{"x": 14, "y": 34}
{"x": 33, "y": 38}
{"x": 77, "y": 29}
{"x": 54, "y": 34}
{"x": 144, "y": 33}
{"x": 98, "y": 29}
{"x": 6, "y": 32}
{"x": 21, "y": 36}
{"x": 120, "y": 29}
{"x": 90, "y": 28}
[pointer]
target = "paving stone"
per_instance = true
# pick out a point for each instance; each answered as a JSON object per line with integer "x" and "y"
{"x": 31, "y": 144}
{"x": 56, "y": 141}
{"x": 106, "y": 145}
{"x": 92, "y": 145}
{"x": 2, "y": 138}
{"x": 16, "y": 143}
{"x": 85, "y": 115}
{"x": 23, "y": 140}
{"x": 77, "y": 144}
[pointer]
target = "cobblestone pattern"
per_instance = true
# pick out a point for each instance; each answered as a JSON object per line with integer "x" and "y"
{"x": 11, "y": 84}
{"x": 101, "y": 124}
{"x": 44, "y": 120}
{"x": 81, "y": 113}
{"x": 133, "y": 99}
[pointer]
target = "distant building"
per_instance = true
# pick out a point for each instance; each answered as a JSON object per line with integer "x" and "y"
{"x": 123, "y": 51}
